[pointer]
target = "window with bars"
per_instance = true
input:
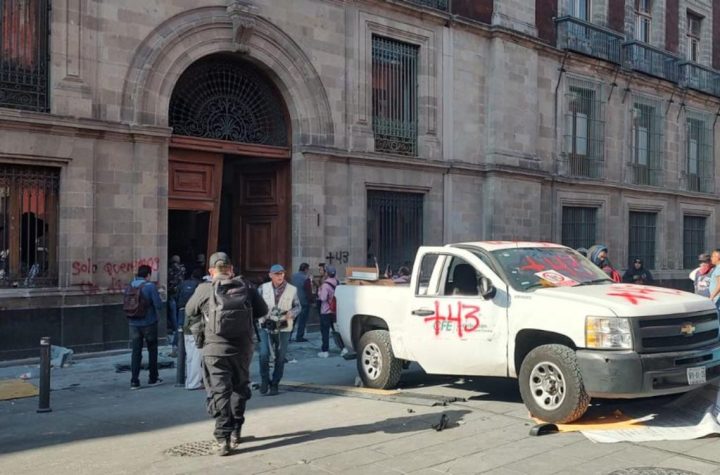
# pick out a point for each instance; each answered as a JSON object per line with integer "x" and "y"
{"x": 24, "y": 54}
{"x": 29, "y": 226}
{"x": 394, "y": 228}
{"x": 579, "y": 226}
{"x": 641, "y": 241}
{"x": 394, "y": 96}
{"x": 699, "y": 155}
{"x": 584, "y": 130}
{"x": 693, "y": 240}
{"x": 694, "y": 23}
{"x": 647, "y": 143}
{"x": 643, "y": 15}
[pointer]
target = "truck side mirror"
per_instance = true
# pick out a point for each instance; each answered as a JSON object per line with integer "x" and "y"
{"x": 487, "y": 289}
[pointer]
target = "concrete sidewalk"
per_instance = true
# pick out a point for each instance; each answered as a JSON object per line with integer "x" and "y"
{"x": 99, "y": 426}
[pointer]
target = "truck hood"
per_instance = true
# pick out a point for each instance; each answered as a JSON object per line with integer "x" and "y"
{"x": 628, "y": 300}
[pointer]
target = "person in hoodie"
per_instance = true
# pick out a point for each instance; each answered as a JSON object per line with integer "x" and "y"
{"x": 326, "y": 292}
{"x": 145, "y": 329}
{"x": 637, "y": 274}
{"x": 598, "y": 254}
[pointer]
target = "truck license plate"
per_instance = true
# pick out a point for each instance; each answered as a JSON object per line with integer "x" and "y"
{"x": 696, "y": 375}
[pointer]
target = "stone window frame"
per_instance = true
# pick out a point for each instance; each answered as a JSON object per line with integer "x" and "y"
{"x": 657, "y": 102}
{"x": 701, "y": 9}
{"x": 429, "y": 94}
{"x": 640, "y": 205}
{"x": 586, "y": 200}
{"x": 707, "y": 119}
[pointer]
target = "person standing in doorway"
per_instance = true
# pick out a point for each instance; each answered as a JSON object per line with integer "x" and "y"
{"x": 326, "y": 296}
{"x": 176, "y": 274}
{"x": 276, "y": 326}
{"x": 301, "y": 281}
{"x": 143, "y": 325}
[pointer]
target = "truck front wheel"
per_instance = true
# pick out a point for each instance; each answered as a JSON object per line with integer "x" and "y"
{"x": 377, "y": 366}
{"x": 551, "y": 385}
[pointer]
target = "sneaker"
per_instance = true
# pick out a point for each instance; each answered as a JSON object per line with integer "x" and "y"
{"x": 300, "y": 340}
{"x": 157, "y": 382}
{"x": 264, "y": 387}
{"x": 323, "y": 354}
{"x": 274, "y": 390}
{"x": 223, "y": 447}
{"x": 134, "y": 386}
{"x": 344, "y": 352}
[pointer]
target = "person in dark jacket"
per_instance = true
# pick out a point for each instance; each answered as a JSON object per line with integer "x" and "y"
{"x": 226, "y": 362}
{"x": 637, "y": 274}
{"x": 301, "y": 281}
{"x": 145, "y": 329}
{"x": 598, "y": 254}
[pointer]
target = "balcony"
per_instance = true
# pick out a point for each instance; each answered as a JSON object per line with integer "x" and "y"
{"x": 652, "y": 61}
{"x": 436, "y": 4}
{"x": 700, "y": 78}
{"x": 591, "y": 40}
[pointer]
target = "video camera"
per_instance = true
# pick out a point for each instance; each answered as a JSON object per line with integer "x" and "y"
{"x": 274, "y": 321}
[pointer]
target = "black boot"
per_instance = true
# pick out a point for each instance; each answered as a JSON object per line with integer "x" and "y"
{"x": 224, "y": 448}
{"x": 236, "y": 436}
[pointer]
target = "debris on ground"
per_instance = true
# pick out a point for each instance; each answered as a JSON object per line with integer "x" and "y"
{"x": 60, "y": 357}
{"x": 27, "y": 375}
{"x": 410, "y": 411}
{"x": 442, "y": 424}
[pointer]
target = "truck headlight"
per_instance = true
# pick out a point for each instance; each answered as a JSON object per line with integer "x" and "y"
{"x": 608, "y": 333}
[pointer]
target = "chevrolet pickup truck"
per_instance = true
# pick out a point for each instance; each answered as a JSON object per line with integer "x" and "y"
{"x": 538, "y": 312}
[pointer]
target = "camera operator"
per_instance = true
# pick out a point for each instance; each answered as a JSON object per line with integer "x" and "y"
{"x": 276, "y": 327}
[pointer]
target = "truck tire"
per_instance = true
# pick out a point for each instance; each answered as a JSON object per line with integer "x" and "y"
{"x": 551, "y": 385}
{"x": 376, "y": 364}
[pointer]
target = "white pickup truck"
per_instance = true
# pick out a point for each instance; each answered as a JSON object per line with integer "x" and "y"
{"x": 538, "y": 312}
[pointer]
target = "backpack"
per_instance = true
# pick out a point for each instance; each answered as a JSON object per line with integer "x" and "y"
{"x": 229, "y": 310}
{"x": 332, "y": 303}
{"x": 134, "y": 303}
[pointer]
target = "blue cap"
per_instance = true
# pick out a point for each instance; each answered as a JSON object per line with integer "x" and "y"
{"x": 330, "y": 270}
{"x": 276, "y": 268}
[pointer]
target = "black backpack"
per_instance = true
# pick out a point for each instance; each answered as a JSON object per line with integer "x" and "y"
{"x": 230, "y": 311}
{"x": 134, "y": 303}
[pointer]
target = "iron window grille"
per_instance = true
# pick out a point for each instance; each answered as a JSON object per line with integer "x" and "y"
{"x": 693, "y": 240}
{"x": 646, "y": 143}
{"x": 436, "y": 4}
{"x": 24, "y": 54}
{"x": 584, "y": 147}
{"x": 394, "y": 228}
{"x": 698, "y": 174}
{"x": 642, "y": 238}
{"x": 394, "y": 97}
{"x": 223, "y": 98}
{"x": 29, "y": 220}
{"x": 579, "y": 226}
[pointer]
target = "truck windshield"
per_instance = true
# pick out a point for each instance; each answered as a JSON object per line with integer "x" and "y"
{"x": 531, "y": 268}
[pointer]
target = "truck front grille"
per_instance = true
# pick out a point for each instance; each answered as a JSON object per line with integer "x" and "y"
{"x": 677, "y": 332}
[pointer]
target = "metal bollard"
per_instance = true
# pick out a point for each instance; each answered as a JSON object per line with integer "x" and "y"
{"x": 44, "y": 401}
{"x": 180, "y": 374}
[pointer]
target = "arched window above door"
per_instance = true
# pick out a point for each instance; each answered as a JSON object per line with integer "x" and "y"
{"x": 224, "y": 98}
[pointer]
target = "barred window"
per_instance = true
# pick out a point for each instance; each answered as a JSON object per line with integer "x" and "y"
{"x": 394, "y": 228}
{"x": 28, "y": 220}
{"x": 579, "y": 226}
{"x": 584, "y": 130}
{"x": 395, "y": 84}
{"x": 642, "y": 238}
{"x": 698, "y": 171}
{"x": 693, "y": 240}
{"x": 24, "y": 54}
{"x": 647, "y": 143}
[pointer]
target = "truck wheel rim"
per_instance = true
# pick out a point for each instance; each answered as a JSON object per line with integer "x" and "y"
{"x": 547, "y": 385}
{"x": 372, "y": 361}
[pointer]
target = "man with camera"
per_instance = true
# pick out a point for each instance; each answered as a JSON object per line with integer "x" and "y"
{"x": 220, "y": 314}
{"x": 276, "y": 326}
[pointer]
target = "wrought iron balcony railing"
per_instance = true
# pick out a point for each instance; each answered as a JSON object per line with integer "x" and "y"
{"x": 591, "y": 40}
{"x": 644, "y": 175}
{"x": 700, "y": 78}
{"x": 649, "y": 60}
{"x": 436, "y": 4}
{"x": 578, "y": 166}
{"x": 699, "y": 183}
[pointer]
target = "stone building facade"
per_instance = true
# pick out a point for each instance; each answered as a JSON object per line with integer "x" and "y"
{"x": 340, "y": 131}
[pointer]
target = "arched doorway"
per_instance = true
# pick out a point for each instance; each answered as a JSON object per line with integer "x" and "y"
{"x": 229, "y": 167}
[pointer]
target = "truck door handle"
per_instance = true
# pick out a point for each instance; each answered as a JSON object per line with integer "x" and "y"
{"x": 423, "y": 312}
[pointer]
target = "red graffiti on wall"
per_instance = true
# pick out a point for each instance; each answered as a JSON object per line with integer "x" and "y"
{"x": 112, "y": 269}
{"x": 466, "y": 318}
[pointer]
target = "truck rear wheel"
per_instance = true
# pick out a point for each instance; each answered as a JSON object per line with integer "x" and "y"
{"x": 551, "y": 385}
{"x": 377, "y": 366}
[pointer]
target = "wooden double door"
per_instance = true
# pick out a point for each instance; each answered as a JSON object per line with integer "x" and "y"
{"x": 246, "y": 200}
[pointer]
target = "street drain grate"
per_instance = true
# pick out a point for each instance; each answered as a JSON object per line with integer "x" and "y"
{"x": 651, "y": 471}
{"x": 193, "y": 449}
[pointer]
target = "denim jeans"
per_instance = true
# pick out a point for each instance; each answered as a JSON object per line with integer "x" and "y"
{"x": 325, "y": 326}
{"x": 301, "y": 321}
{"x": 172, "y": 317}
{"x": 148, "y": 334}
{"x": 280, "y": 340}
